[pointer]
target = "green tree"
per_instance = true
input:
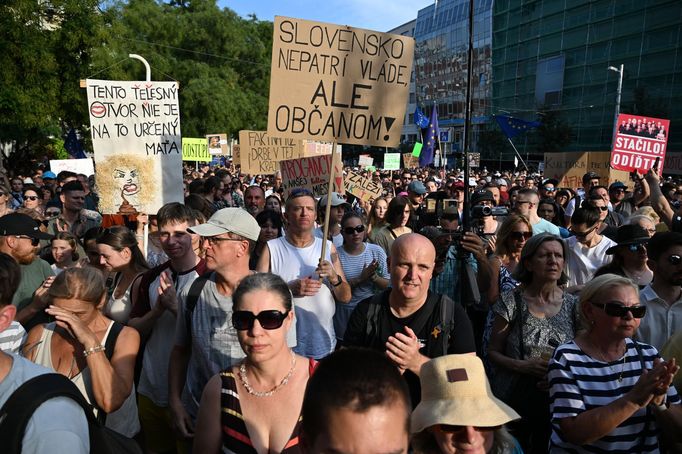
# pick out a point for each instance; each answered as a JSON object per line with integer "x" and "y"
{"x": 554, "y": 134}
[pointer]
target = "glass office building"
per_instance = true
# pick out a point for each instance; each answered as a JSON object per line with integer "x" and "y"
{"x": 441, "y": 35}
{"x": 555, "y": 54}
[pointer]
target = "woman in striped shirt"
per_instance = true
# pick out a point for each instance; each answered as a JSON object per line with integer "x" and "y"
{"x": 608, "y": 392}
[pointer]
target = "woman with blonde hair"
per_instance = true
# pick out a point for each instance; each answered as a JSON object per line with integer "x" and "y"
{"x": 609, "y": 392}
{"x": 458, "y": 412}
{"x": 377, "y": 216}
{"x": 96, "y": 353}
{"x": 514, "y": 232}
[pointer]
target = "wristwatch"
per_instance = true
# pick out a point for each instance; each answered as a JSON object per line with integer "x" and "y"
{"x": 339, "y": 282}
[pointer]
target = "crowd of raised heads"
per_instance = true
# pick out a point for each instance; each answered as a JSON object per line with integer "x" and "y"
{"x": 546, "y": 319}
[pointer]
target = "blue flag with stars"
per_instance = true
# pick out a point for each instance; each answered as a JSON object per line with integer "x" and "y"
{"x": 512, "y": 127}
{"x": 420, "y": 119}
{"x": 431, "y": 140}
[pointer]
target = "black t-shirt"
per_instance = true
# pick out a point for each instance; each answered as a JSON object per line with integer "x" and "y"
{"x": 372, "y": 322}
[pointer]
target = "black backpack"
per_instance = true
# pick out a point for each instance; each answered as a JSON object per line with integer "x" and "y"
{"x": 19, "y": 408}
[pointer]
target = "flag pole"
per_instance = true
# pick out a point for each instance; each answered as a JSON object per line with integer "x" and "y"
{"x": 517, "y": 154}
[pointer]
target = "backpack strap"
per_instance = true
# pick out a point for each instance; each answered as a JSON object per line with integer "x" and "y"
{"x": 447, "y": 317}
{"x": 192, "y": 299}
{"x": 25, "y": 400}
{"x": 373, "y": 315}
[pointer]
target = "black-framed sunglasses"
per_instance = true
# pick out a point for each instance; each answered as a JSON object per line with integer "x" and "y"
{"x": 31, "y": 197}
{"x": 351, "y": 230}
{"x": 619, "y": 310}
{"x": 244, "y": 320}
{"x": 549, "y": 189}
{"x": 601, "y": 208}
{"x": 34, "y": 241}
{"x": 636, "y": 247}
{"x": 447, "y": 428}
{"x": 674, "y": 259}
{"x": 585, "y": 233}
{"x": 518, "y": 236}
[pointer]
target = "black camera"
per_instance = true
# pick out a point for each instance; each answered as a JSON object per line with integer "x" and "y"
{"x": 480, "y": 211}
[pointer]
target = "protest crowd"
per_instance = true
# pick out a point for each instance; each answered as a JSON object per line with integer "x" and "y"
{"x": 220, "y": 325}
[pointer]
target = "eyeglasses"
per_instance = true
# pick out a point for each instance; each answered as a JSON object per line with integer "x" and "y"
{"x": 618, "y": 310}
{"x": 636, "y": 247}
{"x": 212, "y": 240}
{"x": 674, "y": 259}
{"x": 34, "y": 241}
{"x": 351, "y": 230}
{"x": 548, "y": 189}
{"x": 521, "y": 202}
{"x": 244, "y": 320}
{"x": 31, "y": 197}
{"x": 518, "y": 236}
{"x": 585, "y": 233}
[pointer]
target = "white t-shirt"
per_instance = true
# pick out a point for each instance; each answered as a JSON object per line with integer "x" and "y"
{"x": 583, "y": 261}
{"x": 58, "y": 425}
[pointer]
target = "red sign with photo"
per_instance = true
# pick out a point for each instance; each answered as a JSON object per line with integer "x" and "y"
{"x": 638, "y": 142}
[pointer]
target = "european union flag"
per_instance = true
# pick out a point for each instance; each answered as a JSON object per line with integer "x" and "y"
{"x": 431, "y": 140}
{"x": 512, "y": 127}
{"x": 73, "y": 146}
{"x": 420, "y": 119}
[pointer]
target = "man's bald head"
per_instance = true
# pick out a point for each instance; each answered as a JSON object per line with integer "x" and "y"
{"x": 411, "y": 265}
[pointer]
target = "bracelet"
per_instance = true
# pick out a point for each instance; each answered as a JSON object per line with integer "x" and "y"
{"x": 339, "y": 282}
{"x": 95, "y": 349}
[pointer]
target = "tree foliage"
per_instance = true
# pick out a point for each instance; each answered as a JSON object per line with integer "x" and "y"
{"x": 221, "y": 61}
{"x": 554, "y": 134}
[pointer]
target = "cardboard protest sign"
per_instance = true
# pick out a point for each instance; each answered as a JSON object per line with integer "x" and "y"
{"x": 673, "y": 163}
{"x": 195, "y": 149}
{"x": 410, "y": 161}
{"x": 313, "y": 174}
{"x": 217, "y": 144}
{"x": 260, "y": 153}
{"x": 361, "y": 187}
{"x": 312, "y": 148}
{"x": 638, "y": 142}
{"x": 135, "y": 128}
{"x": 391, "y": 161}
{"x": 338, "y": 83}
{"x": 84, "y": 166}
{"x": 365, "y": 160}
{"x": 568, "y": 168}
{"x": 474, "y": 160}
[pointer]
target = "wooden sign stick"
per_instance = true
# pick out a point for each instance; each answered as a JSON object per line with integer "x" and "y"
{"x": 327, "y": 209}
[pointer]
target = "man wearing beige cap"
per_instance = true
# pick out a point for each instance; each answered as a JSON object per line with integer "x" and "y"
{"x": 205, "y": 341}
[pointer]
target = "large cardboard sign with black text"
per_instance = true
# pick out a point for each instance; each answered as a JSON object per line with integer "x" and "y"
{"x": 313, "y": 174}
{"x": 136, "y": 138}
{"x": 338, "y": 83}
{"x": 361, "y": 187}
{"x": 569, "y": 167}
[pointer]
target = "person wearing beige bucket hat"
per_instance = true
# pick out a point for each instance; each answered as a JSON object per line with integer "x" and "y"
{"x": 458, "y": 412}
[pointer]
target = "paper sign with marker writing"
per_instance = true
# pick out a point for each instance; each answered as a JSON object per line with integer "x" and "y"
{"x": 195, "y": 149}
{"x": 410, "y": 161}
{"x": 83, "y": 166}
{"x": 338, "y": 83}
{"x": 361, "y": 187}
{"x": 313, "y": 174}
{"x": 391, "y": 161}
{"x": 365, "y": 160}
{"x": 135, "y": 128}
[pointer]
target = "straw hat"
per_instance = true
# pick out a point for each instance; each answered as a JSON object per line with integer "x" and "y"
{"x": 455, "y": 391}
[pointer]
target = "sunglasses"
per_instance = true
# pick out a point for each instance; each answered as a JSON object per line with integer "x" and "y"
{"x": 518, "y": 236}
{"x": 31, "y": 197}
{"x": 446, "y": 428}
{"x": 549, "y": 189}
{"x": 34, "y": 241}
{"x": 601, "y": 208}
{"x": 582, "y": 234}
{"x": 618, "y": 310}
{"x": 635, "y": 247}
{"x": 244, "y": 320}
{"x": 674, "y": 260}
{"x": 351, "y": 230}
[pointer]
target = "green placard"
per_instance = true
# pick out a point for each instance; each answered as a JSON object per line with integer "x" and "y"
{"x": 391, "y": 161}
{"x": 195, "y": 149}
{"x": 417, "y": 150}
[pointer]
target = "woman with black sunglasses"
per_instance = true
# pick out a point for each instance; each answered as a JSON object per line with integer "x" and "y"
{"x": 364, "y": 265}
{"x": 629, "y": 256}
{"x": 609, "y": 392}
{"x": 256, "y": 405}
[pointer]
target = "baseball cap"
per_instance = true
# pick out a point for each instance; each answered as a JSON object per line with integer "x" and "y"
{"x": 337, "y": 200}
{"x": 480, "y": 195}
{"x": 591, "y": 176}
{"x": 417, "y": 187}
{"x": 618, "y": 185}
{"x": 49, "y": 174}
{"x": 21, "y": 224}
{"x": 232, "y": 220}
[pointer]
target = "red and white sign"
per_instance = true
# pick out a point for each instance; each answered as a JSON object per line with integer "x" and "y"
{"x": 639, "y": 141}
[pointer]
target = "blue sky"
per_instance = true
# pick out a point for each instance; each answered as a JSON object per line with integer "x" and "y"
{"x": 380, "y": 15}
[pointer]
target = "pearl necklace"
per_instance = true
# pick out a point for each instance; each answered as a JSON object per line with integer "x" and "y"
{"x": 250, "y": 390}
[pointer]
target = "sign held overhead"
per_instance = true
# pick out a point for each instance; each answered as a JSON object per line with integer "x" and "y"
{"x": 337, "y": 83}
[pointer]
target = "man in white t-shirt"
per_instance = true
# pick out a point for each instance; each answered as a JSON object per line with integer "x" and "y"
{"x": 587, "y": 248}
{"x": 526, "y": 203}
{"x": 155, "y": 308}
{"x": 296, "y": 257}
{"x": 59, "y": 424}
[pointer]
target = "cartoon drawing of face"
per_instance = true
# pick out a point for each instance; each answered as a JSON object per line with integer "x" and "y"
{"x": 128, "y": 181}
